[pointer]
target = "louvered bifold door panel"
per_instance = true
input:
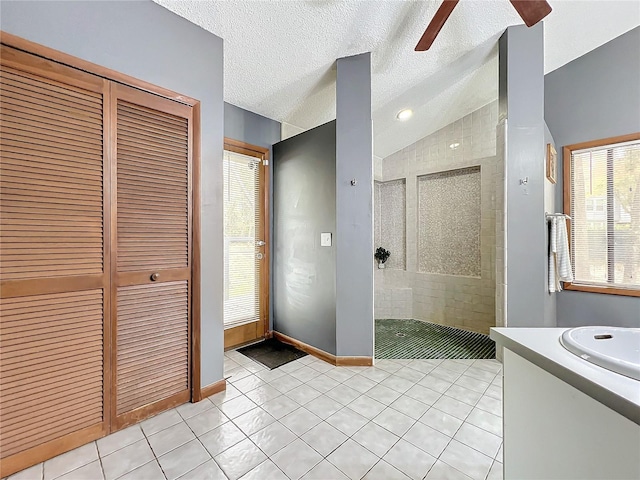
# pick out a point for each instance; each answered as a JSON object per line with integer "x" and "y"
{"x": 54, "y": 260}
{"x": 51, "y": 367}
{"x": 152, "y": 265}
{"x": 152, "y": 189}
{"x": 152, "y": 343}
{"x": 51, "y": 191}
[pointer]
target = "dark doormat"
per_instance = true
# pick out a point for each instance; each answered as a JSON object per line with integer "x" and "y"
{"x": 272, "y": 353}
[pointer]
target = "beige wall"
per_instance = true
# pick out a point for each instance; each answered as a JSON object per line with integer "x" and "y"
{"x": 462, "y": 301}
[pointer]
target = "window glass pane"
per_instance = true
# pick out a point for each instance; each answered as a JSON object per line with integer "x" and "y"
{"x": 605, "y": 210}
{"x": 626, "y": 215}
{"x": 241, "y": 225}
{"x": 589, "y": 232}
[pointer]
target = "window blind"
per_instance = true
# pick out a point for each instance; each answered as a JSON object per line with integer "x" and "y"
{"x": 241, "y": 227}
{"x": 605, "y": 212}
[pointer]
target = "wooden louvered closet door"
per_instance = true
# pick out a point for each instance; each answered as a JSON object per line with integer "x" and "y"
{"x": 151, "y": 266}
{"x": 54, "y": 259}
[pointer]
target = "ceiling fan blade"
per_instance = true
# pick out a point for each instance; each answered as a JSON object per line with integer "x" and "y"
{"x": 531, "y": 11}
{"x": 436, "y": 24}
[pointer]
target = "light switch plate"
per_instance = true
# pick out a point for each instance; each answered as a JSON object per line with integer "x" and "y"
{"x": 325, "y": 239}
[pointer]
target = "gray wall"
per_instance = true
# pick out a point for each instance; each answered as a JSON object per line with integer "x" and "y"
{"x": 550, "y": 299}
{"x": 304, "y": 205}
{"x": 576, "y": 309}
{"x": 354, "y": 224}
{"x": 521, "y": 53}
{"x": 595, "y": 96}
{"x": 246, "y": 126}
{"x": 150, "y": 43}
{"x": 323, "y": 296}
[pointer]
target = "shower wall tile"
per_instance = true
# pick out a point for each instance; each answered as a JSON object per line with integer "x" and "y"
{"x": 412, "y": 215}
{"x": 461, "y": 301}
{"x": 396, "y": 303}
{"x": 377, "y": 169}
{"x": 394, "y": 166}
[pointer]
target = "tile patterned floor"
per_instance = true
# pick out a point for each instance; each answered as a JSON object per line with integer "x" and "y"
{"x": 402, "y": 419}
{"x": 421, "y": 339}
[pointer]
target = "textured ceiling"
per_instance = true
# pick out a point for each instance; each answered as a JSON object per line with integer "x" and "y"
{"x": 279, "y": 55}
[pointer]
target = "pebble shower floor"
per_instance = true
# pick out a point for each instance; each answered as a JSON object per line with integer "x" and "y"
{"x": 419, "y": 339}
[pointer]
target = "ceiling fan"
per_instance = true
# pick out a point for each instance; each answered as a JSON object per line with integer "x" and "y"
{"x": 531, "y": 11}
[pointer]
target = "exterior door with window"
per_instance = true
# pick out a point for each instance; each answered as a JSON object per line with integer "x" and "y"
{"x": 246, "y": 261}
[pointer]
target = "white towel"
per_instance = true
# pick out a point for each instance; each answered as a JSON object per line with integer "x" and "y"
{"x": 559, "y": 259}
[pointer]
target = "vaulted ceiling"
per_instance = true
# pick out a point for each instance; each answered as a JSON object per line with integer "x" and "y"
{"x": 279, "y": 55}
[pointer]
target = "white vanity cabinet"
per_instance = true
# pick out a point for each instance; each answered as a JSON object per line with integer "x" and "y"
{"x": 565, "y": 418}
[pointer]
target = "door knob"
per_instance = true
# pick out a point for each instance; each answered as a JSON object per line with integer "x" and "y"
{"x": 154, "y": 276}
{"x": 261, "y": 243}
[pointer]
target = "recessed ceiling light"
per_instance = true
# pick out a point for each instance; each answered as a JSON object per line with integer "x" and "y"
{"x": 404, "y": 115}
{"x": 453, "y": 146}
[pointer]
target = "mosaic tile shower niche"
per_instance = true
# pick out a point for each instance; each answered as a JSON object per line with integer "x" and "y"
{"x": 449, "y": 222}
{"x": 390, "y": 221}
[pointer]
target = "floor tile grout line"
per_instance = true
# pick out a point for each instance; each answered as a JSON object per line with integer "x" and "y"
{"x": 370, "y": 420}
{"x": 403, "y": 393}
{"x": 351, "y": 436}
{"x": 229, "y": 419}
{"x": 324, "y": 420}
{"x": 146, "y": 437}
{"x": 471, "y": 447}
{"x": 199, "y": 441}
{"x": 139, "y": 467}
{"x": 325, "y": 457}
{"x": 211, "y": 457}
{"x": 450, "y": 438}
{"x": 248, "y": 437}
{"x": 73, "y": 469}
{"x": 375, "y": 382}
{"x": 157, "y": 458}
{"x": 104, "y": 475}
{"x": 400, "y": 437}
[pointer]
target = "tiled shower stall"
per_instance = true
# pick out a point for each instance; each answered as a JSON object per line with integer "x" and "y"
{"x": 436, "y": 205}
